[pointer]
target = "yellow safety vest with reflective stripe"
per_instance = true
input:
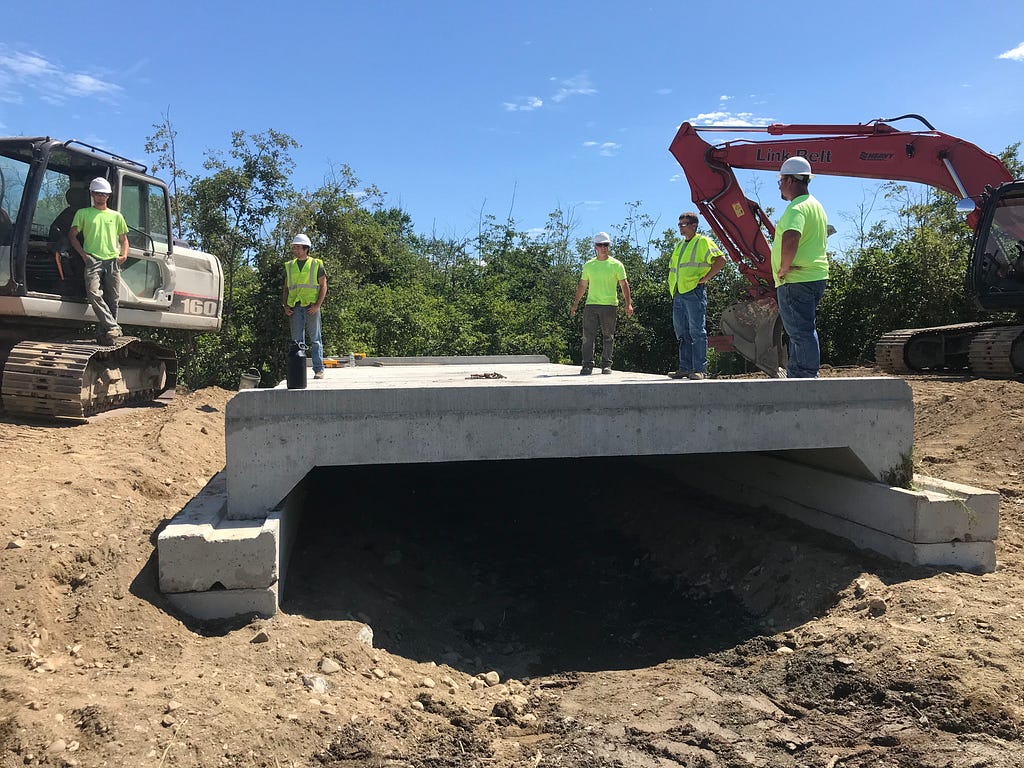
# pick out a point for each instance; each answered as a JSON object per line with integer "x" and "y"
{"x": 690, "y": 262}
{"x": 303, "y": 286}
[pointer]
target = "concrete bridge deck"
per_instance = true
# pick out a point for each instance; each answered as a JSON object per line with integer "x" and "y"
{"x": 827, "y": 451}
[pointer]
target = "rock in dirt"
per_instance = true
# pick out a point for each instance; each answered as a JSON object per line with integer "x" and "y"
{"x": 329, "y": 666}
{"x": 365, "y": 636}
{"x": 316, "y": 684}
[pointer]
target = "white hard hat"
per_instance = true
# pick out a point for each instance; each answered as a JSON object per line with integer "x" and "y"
{"x": 601, "y": 237}
{"x": 796, "y": 166}
{"x": 302, "y": 240}
{"x": 99, "y": 184}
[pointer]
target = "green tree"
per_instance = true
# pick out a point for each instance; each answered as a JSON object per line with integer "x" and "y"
{"x": 229, "y": 212}
{"x": 162, "y": 145}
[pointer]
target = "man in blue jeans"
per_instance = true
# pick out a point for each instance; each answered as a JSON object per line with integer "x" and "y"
{"x": 800, "y": 267}
{"x": 305, "y": 287}
{"x": 693, "y": 262}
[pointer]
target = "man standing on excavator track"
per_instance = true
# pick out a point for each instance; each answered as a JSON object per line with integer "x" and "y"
{"x": 800, "y": 267}
{"x": 106, "y": 247}
{"x": 693, "y": 262}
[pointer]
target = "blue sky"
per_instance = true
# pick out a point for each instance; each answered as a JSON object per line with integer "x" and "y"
{"x": 453, "y": 108}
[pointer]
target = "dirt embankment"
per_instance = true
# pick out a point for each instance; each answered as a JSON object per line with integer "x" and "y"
{"x": 626, "y": 622}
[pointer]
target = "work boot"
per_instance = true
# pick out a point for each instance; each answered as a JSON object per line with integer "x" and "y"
{"x": 586, "y": 370}
{"x": 679, "y": 374}
{"x": 696, "y": 376}
{"x": 606, "y": 369}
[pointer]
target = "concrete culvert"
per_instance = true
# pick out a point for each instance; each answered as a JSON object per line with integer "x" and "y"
{"x": 541, "y": 566}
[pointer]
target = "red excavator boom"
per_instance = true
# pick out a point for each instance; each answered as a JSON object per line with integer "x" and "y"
{"x": 874, "y": 150}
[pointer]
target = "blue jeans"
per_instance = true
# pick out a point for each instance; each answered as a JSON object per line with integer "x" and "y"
{"x": 102, "y": 283}
{"x": 303, "y": 320}
{"x": 798, "y": 306}
{"x": 689, "y": 316}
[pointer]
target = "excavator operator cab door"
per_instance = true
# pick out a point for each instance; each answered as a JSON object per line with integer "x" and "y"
{"x": 995, "y": 277}
{"x": 147, "y": 276}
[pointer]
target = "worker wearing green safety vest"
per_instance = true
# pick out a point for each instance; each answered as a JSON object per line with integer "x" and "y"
{"x": 694, "y": 261}
{"x": 305, "y": 288}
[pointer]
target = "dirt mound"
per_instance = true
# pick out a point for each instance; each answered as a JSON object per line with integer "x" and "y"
{"x": 536, "y": 614}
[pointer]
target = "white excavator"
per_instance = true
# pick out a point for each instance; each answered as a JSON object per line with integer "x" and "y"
{"x": 50, "y": 365}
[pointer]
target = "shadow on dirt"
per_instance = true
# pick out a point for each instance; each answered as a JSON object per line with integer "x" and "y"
{"x": 538, "y": 567}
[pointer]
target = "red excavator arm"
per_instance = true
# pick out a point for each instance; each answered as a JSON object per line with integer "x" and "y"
{"x": 874, "y": 150}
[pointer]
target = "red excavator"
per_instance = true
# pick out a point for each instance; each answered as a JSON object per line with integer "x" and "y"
{"x": 993, "y": 201}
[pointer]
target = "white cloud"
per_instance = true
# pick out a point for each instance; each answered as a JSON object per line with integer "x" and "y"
{"x": 663, "y": 91}
{"x": 528, "y": 104}
{"x": 603, "y": 148}
{"x": 1014, "y": 54}
{"x": 676, "y": 177}
{"x": 579, "y": 85}
{"x": 28, "y": 65}
{"x": 86, "y": 85}
{"x": 740, "y": 119}
{"x": 723, "y": 97}
{"x": 22, "y": 73}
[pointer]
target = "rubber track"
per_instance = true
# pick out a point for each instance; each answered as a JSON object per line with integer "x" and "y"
{"x": 890, "y": 350}
{"x": 45, "y": 379}
{"x": 991, "y": 351}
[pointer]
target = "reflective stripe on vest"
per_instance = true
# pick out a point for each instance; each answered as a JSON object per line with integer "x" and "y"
{"x": 675, "y": 265}
{"x": 303, "y": 286}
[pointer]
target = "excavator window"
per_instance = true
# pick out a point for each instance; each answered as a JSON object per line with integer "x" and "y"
{"x": 144, "y": 207}
{"x": 1005, "y": 242}
{"x": 13, "y": 172}
{"x": 51, "y": 265}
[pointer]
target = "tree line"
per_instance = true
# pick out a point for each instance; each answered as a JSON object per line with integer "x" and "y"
{"x": 396, "y": 292}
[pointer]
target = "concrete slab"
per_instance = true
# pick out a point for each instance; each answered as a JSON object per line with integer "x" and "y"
{"x": 464, "y": 411}
{"x": 930, "y": 512}
{"x": 211, "y": 567}
{"x": 935, "y": 523}
{"x": 200, "y": 549}
{"x": 824, "y": 451}
{"x": 226, "y": 603}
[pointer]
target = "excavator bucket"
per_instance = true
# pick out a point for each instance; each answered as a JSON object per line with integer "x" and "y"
{"x": 756, "y": 331}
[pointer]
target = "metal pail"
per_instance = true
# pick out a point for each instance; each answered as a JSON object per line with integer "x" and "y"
{"x": 250, "y": 379}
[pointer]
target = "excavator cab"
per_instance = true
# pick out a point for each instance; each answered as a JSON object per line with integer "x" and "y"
{"x": 995, "y": 277}
{"x": 44, "y": 184}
